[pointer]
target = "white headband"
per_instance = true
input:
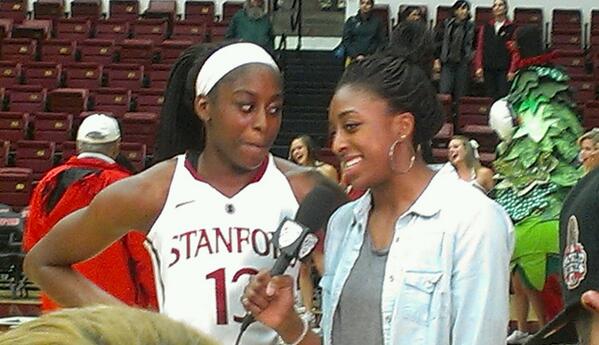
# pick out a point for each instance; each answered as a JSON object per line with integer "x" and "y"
{"x": 227, "y": 59}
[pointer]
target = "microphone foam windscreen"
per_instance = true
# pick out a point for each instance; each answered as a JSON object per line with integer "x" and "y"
{"x": 319, "y": 205}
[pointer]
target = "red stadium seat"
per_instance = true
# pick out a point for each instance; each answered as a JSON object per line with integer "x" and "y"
{"x": 187, "y": 30}
{"x": 13, "y": 126}
{"x": 69, "y": 149}
{"x": 83, "y": 75}
{"x": 382, "y": 12}
{"x": 19, "y": 49}
{"x": 68, "y": 100}
{"x": 35, "y": 155}
{"x": 10, "y": 73}
{"x": 37, "y": 29}
{"x": 116, "y": 30}
{"x": 26, "y": 98}
{"x": 5, "y": 27}
{"x": 583, "y": 88}
{"x": 199, "y": 11}
{"x": 54, "y": 127}
{"x": 473, "y": 119}
{"x": 218, "y": 31}
{"x": 140, "y": 128}
{"x": 46, "y": 74}
{"x": 13, "y": 9}
{"x": 87, "y": 9}
{"x": 149, "y": 100}
{"x": 154, "y": 30}
{"x": 135, "y": 153}
{"x": 157, "y": 76}
{"x": 76, "y": 29}
{"x": 443, "y": 12}
{"x": 15, "y": 186}
{"x": 230, "y": 8}
{"x": 170, "y": 50}
{"x": 99, "y": 51}
{"x": 48, "y": 9}
{"x": 124, "y": 9}
{"x": 528, "y": 16}
{"x": 58, "y": 51}
{"x": 128, "y": 76}
{"x": 590, "y": 117}
{"x": 114, "y": 100}
{"x": 136, "y": 51}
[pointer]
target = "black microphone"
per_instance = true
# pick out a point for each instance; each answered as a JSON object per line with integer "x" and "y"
{"x": 295, "y": 238}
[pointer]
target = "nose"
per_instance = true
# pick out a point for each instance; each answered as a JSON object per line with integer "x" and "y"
{"x": 260, "y": 121}
{"x": 339, "y": 143}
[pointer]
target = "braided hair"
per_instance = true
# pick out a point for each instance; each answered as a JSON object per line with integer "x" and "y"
{"x": 400, "y": 75}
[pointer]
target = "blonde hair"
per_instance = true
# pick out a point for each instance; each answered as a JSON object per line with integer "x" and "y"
{"x": 472, "y": 161}
{"x": 105, "y": 325}
{"x": 592, "y": 135}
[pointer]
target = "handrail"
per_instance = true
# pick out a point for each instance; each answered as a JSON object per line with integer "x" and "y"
{"x": 296, "y": 21}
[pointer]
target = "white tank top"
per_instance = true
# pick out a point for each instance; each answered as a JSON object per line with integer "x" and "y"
{"x": 205, "y": 246}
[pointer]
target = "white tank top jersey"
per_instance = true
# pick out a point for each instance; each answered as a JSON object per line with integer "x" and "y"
{"x": 205, "y": 246}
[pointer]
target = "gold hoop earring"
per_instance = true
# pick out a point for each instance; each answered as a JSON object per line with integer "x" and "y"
{"x": 391, "y": 155}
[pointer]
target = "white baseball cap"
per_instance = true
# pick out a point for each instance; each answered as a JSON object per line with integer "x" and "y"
{"x": 98, "y": 129}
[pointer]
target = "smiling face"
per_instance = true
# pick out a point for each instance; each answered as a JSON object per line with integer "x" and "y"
{"x": 244, "y": 116}
{"x": 299, "y": 152}
{"x": 456, "y": 151}
{"x": 362, "y": 127}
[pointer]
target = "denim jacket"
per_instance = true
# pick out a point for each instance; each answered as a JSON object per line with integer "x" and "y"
{"x": 447, "y": 275}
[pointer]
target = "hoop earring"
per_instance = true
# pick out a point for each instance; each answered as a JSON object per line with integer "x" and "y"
{"x": 391, "y": 156}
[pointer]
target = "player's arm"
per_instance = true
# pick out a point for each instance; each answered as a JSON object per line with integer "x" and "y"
{"x": 132, "y": 203}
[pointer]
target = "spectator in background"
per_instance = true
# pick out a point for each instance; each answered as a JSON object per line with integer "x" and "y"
{"x": 124, "y": 269}
{"x": 464, "y": 162}
{"x": 303, "y": 152}
{"x": 412, "y": 14}
{"x": 363, "y": 34}
{"x": 495, "y": 59}
{"x": 251, "y": 24}
{"x": 589, "y": 150}
{"x": 455, "y": 51}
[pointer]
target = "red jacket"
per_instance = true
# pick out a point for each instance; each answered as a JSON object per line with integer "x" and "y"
{"x": 124, "y": 269}
{"x": 480, "y": 46}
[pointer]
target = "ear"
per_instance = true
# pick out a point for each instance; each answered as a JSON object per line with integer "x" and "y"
{"x": 403, "y": 125}
{"x": 202, "y": 108}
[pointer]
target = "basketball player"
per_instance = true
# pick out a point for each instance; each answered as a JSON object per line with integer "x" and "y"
{"x": 209, "y": 213}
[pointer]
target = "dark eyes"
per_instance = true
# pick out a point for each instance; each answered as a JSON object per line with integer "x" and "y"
{"x": 274, "y": 109}
{"x": 351, "y": 126}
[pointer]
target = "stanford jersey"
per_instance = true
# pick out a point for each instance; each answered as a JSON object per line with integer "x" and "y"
{"x": 207, "y": 245}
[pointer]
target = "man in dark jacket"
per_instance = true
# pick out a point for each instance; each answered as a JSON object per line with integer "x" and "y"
{"x": 363, "y": 34}
{"x": 456, "y": 51}
{"x": 251, "y": 24}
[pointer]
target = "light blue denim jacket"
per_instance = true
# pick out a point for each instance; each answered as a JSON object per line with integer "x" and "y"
{"x": 447, "y": 274}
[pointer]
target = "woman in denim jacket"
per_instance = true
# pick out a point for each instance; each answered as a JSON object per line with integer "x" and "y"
{"x": 420, "y": 259}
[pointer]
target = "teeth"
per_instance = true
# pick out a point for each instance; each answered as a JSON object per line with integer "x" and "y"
{"x": 352, "y": 162}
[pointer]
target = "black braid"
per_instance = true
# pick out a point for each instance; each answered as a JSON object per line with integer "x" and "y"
{"x": 401, "y": 76}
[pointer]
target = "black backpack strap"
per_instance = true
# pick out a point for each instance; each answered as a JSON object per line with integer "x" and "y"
{"x": 63, "y": 180}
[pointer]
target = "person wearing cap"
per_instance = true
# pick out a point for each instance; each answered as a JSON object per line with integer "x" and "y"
{"x": 208, "y": 206}
{"x": 578, "y": 322}
{"x": 124, "y": 268}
